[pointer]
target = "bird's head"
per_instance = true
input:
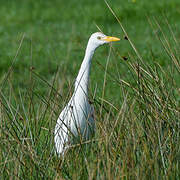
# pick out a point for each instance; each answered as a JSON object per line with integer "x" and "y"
{"x": 99, "y": 38}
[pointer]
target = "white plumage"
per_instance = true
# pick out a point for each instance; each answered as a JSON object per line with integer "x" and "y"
{"x": 76, "y": 121}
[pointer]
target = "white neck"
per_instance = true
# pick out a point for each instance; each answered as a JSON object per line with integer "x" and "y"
{"x": 82, "y": 80}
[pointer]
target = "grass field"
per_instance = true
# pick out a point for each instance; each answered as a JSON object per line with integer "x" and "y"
{"x": 137, "y": 100}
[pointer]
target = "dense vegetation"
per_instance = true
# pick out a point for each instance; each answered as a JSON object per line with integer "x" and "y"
{"x": 135, "y": 88}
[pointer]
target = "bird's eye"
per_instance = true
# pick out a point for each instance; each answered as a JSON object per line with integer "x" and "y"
{"x": 99, "y": 37}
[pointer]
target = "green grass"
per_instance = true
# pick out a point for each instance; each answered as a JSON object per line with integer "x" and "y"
{"x": 137, "y": 101}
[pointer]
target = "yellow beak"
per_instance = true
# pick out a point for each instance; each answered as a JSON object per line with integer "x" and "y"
{"x": 110, "y": 39}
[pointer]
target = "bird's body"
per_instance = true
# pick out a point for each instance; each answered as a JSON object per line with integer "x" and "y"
{"x": 76, "y": 121}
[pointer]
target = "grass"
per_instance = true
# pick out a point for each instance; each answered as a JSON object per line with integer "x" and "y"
{"x": 137, "y": 101}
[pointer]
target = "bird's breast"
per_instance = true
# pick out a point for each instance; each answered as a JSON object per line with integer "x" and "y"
{"x": 81, "y": 119}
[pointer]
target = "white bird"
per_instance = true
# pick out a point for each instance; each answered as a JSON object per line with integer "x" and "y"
{"x": 76, "y": 121}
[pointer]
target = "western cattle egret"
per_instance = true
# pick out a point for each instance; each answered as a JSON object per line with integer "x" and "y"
{"x": 76, "y": 121}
